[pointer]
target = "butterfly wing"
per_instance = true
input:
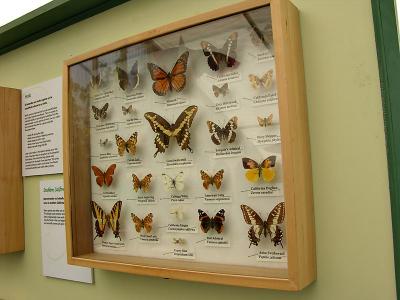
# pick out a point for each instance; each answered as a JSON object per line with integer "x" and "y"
{"x": 95, "y": 80}
{"x": 229, "y": 49}
{"x": 96, "y": 112}
{"x": 267, "y": 168}
{"x": 121, "y": 144}
{"x": 216, "y": 90}
{"x": 134, "y": 76}
{"x": 108, "y": 175}
{"x": 252, "y": 167}
{"x": 137, "y": 222}
{"x": 180, "y": 181}
{"x": 205, "y": 221}
{"x": 148, "y": 223}
{"x": 266, "y": 79}
{"x": 168, "y": 183}
{"x": 114, "y": 218}
{"x": 257, "y": 228}
{"x": 216, "y": 132}
{"x": 181, "y": 127}
{"x": 207, "y": 180}
{"x": 228, "y": 132}
{"x": 218, "y": 221}
{"x": 101, "y": 219}
{"x": 123, "y": 79}
{"x": 224, "y": 89}
{"x": 103, "y": 111}
{"x": 100, "y": 178}
{"x": 275, "y": 217}
{"x": 161, "y": 84}
{"x": 217, "y": 179}
{"x": 178, "y": 78}
{"x": 268, "y": 120}
{"x": 136, "y": 182}
{"x": 145, "y": 183}
{"x": 163, "y": 129}
{"x": 213, "y": 57}
{"x": 131, "y": 143}
{"x": 254, "y": 81}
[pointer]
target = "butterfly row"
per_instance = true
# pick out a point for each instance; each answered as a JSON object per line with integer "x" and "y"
{"x": 175, "y": 80}
{"x": 180, "y": 130}
{"x": 258, "y": 226}
{"x": 255, "y": 171}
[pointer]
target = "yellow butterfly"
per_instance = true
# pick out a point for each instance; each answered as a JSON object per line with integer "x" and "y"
{"x": 265, "y": 80}
{"x": 265, "y": 170}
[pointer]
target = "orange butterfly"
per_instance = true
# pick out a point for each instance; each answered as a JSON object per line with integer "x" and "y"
{"x": 143, "y": 184}
{"x": 104, "y": 177}
{"x": 213, "y": 180}
{"x": 146, "y": 223}
{"x": 174, "y": 80}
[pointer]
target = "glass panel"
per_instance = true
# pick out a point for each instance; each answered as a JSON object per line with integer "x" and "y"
{"x": 183, "y": 135}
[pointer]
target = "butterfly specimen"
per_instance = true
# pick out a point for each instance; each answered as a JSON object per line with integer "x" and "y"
{"x": 174, "y": 80}
{"x": 171, "y": 184}
{"x": 146, "y": 223}
{"x": 178, "y": 241}
{"x": 270, "y": 226}
{"x": 264, "y": 37}
{"x": 164, "y": 131}
{"x": 104, "y": 142}
{"x": 104, "y": 177}
{"x": 219, "y": 58}
{"x": 128, "y": 110}
{"x": 129, "y": 81}
{"x": 95, "y": 79}
{"x": 216, "y": 223}
{"x": 178, "y": 212}
{"x": 226, "y": 133}
{"x": 102, "y": 219}
{"x": 264, "y": 122}
{"x": 128, "y": 146}
{"x": 265, "y": 170}
{"x": 223, "y": 90}
{"x": 100, "y": 113}
{"x": 265, "y": 80}
{"x": 143, "y": 184}
{"x": 213, "y": 180}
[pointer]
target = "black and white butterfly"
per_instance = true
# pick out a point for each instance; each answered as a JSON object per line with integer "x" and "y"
{"x": 216, "y": 222}
{"x": 174, "y": 183}
{"x": 96, "y": 79}
{"x": 223, "y": 90}
{"x": 128, "y": 81}
{"x": 100, "y": 113}
{"x": 226, "y": 133}
{"x": 220, "y": 58}
{"x": 270, "y": 226}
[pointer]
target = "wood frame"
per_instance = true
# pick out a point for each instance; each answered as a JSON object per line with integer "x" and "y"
{"x": 295, "y": 153}
{"x": 387, "y": 46}
{"x": 12, "y": 237}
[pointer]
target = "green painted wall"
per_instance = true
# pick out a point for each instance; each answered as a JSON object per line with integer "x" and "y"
{"x": 352, "y": 211}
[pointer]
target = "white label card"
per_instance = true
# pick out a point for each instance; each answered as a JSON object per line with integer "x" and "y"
{"x": 41, "y": 128}
{"x": 105, "y": 95}
{"x": 149, "y": 239}
{"x": 135, "y": 97}
{"x": 268, "y": 98}
{"x": 227, "y": 105}
{"x": 217, "y": 242}
{"x": 181, "y": 228}
{"x": 103, "y": 127}
{"x": 271, "y": 190}
{"x": 181, "y": 198}
{"x": 178, "y": 163}
{"x": 183, "y": 253}
{"x": 54, "y": 254}
{"x": 272, "y": 256}
{"x": 231, "y": 151}
{"x": 217, "y": 198}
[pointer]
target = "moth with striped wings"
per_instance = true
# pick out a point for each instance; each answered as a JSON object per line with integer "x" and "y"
{"x": 179, "y": 130}
{"x": 270, "y": 226}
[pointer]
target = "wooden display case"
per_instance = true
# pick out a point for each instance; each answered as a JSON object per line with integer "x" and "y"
{"x": 83, "y": 127}
{"x": 12, "y": 237}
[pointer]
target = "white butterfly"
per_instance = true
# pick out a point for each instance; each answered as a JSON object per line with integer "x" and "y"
{"x": 178, "y": 241}
{"x": 171, "y": 184}
{"x": 178, "y": 212}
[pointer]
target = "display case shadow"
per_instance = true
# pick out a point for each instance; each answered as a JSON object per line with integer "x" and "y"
{"x": 296, "y": 167}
